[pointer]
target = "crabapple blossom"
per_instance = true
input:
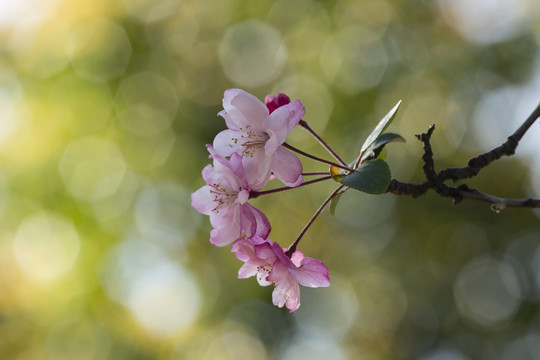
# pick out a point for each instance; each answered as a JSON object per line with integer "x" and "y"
{"x": 268, "y": 261}
{"x": 257, "y": 135}
{"x": 244, "y": 249}
{"x": 224, "y": 198}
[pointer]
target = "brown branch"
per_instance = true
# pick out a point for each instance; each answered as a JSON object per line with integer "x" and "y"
{"x": 497, "y": 203}
{"x": 463, "y": 192}
{"x": 433, "y": 179}
{"x": 399, "y": 188}
{"x": 477, "y": 163}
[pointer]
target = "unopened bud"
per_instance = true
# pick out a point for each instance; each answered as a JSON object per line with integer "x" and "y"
{"x": 274, "y": 102}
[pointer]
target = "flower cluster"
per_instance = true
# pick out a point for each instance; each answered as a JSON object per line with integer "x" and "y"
{"x": 245, "y": 156}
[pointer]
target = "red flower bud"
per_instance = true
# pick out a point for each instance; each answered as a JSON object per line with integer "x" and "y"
{"x": 274, "y": 102}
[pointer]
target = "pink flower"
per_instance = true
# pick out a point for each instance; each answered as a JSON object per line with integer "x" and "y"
{"x": 258, "y": 136}
{"x": 270, "y": 264}
{"x": 244, "y": 249}
{"x": 224, "y": 198}
{"x": 274, "y": 102}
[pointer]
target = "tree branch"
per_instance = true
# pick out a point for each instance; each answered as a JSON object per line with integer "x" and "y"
{"x": 436, "y": 181}
{"x": 497, "y": 203}
{"x": 477, "y": 163}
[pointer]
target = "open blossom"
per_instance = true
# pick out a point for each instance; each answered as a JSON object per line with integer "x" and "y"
{"x": 258, "y": 135}
{"x": 244, "y": 249}
{"x": 224, "y": 198}
{"x": 269, "y": 263}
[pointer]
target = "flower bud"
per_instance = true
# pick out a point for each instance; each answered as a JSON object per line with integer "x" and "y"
{"x": 274, "y": 102}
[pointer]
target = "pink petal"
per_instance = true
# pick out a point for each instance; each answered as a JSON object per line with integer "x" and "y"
{"x": 272, "y": 144}
{"x": 227, "y": 142}
{"x": 293, "y": 300}
{"x": 297, "y": 258}
{"x": 281, "y": 257}
{"x": 227, "y": 173}
{"x": 279, "y": 297}
{"x": 247, "y": 270}
{"x": 258, "y": 240}
{"x": 202, "y": 200}
{"x": 284, "y": 119}
{"x": 236, "y": 165}
{"x": 242, "y": 109}
{"x": 312, "y": 273}
{"x": 220, "y": 162}
{"x": 254, "y": 222}
{"x": 287, "y": 291}
{"x": 286, "y": 167}
{"x": 225, "y": 179}
{"x": 257, "y": 169}
{"x": 262, "y": 275}
{"x": 227, "y": 227}
{"x": 280, "y": 276}
{"x": 243, "y": 249}
{"x": 265, "y": 252}
{"x": 243, "y": 197}
{"x": 207, "y": 172}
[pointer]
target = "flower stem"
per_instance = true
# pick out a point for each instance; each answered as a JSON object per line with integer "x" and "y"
{"x": 315, "y": 173}
{"x": 305, "y": 125}
{"x": 292, "y": 248}
{"x": 255, "y": 194}
{"x": 292, "y": 148}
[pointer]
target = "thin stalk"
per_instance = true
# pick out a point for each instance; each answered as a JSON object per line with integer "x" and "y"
{"x": 292, "y": 248}
{"x": 255, "y": 194}
{"x": 315, "y": 173}
{"x": 292, "y": 148}
{"x": 305, "y": 125}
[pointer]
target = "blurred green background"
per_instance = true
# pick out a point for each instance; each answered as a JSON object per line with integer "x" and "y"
{"x": 105, "y": 108}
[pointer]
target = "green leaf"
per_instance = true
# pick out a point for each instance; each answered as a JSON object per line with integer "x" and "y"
{"x": 378, "y": 145}
{"x": 381, "y": 154}
{"x": 381, "y": 126}
{"x": 372, "y": 177}
{"x": 335, "y": 201}
{"x": 385, "y": 139}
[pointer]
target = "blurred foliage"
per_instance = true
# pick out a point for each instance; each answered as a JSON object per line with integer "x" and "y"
{"x": 105, "y": 107}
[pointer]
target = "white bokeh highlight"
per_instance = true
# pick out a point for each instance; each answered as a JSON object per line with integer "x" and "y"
{"x": 163, "y": 213}
{"x": 46, "y": 246}
{"x": 252, "y": 53}
{"x": 164, "y": 299}
{"x": 487, "y": 292}
{"x": 487, "y": 21}
{"x": 314, "y": 346}
{"x": 92, "y": 168}
{"x": 146, "y": 104}
{"x": 162, "y": 295}
{"x": 100, "y": 50}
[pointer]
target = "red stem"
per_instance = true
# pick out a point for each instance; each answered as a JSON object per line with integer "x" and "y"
{"x": 255, "y": 194}
{"x": 292, "y": 248}
{"x": 292, "y": 148}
